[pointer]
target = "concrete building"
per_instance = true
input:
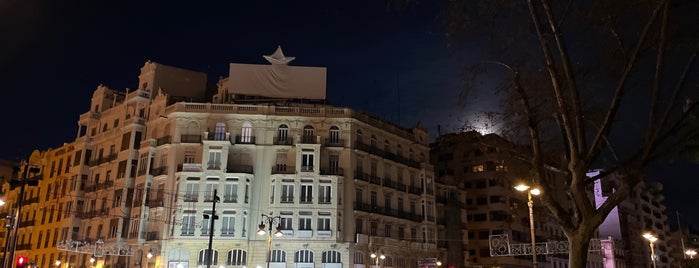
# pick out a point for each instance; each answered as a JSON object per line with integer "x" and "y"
{"x": 477, "y": 199}
{"x": 643, "y": 212}
{"x": 150, "y": 170}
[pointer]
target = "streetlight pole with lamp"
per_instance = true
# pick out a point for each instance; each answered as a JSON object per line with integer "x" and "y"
{"x": 690, "y": 253}
{"x": 530, "y": 203}
{"x": 271, "y": 222}
{"x": 376, "y": 257}
{"x": 651, "y": 238}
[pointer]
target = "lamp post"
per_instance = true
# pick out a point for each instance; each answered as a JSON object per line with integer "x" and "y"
{"x": 530, "y": 203}
{"x": 377, "y": 257}
{"x": 651, "y": 238}
{"x": 690, "y": 253}
{"x": 271, "y": 222}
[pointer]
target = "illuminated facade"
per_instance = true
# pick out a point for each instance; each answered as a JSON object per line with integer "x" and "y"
{"x": 143, "y": 168}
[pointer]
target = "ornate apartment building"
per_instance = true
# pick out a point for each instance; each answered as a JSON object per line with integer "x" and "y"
{"x": 151, "y": 168}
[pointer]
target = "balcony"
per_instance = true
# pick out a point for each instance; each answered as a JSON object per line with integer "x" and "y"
{"x": 163, "y": 140}
{"x": 338, "y": 171}
{"x": 211, "y": 136}
{"x": 283, "y": 141}
{"x": 230, "y": 199}
{"x": 158, "y": 171}
{"x": 360, "y": 175}
{"x": 105, "y": 185}
{"x": 26, "y": 223}
{"x": 189, "y": 167}
{"x": 415, "y": 190}
{"x": 190, "y": 138}
{"x": 239, "y": 169}
{"x": 287, "y": 199}
{"x": 228, "y": 232}
{"x": 155, "y": 203}
{"x": 306, "y": 168}
{"x": 328, "y": 142}
{"x": 283, "y": 169}
{"x": 244, "y": 139}
{"x": 191, "y": 198}
{"x": 309, "y": 139}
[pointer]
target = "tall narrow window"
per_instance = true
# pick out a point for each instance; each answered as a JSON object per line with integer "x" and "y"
{"x": 228, "y": 225}
{"x": 246, "y": 133}
{"x": 307, "y": 160}
{"x": 287, "y": 193}
{"x": 230, "y": 192}
{"x": 188, "y": 222}
{"x": 334, "y": 164}
{"x": 360, "y": 137}
{"x": 214, "y": 160}
{"x": 306, "y": 193}
{"x": 324, "y": 193}
{"x": 209, "y": 192}
{"x": 334, "y": 137}
{"x": 220, "y": 131}
{"x": 283, "y": 135}
{"x": 308, "y": 136}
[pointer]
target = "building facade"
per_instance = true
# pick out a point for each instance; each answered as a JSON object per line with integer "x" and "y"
{"x": 153, "y": 175}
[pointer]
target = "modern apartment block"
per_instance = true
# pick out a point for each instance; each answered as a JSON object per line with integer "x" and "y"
{"x": 151, "y": 168}
{"x": 477, "y": 199}
{"x": 643, "y": 212}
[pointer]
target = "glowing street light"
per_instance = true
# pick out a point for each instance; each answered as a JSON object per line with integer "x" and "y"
{"x": 651, "y": 238}
{"x": 271, "y": 221}
{"x": 530, "y": 203}
{"x": 374, "y": 256}
{"x": 691, "y": 253}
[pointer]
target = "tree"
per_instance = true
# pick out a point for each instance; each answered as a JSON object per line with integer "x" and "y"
{"x": 597, "y": 84}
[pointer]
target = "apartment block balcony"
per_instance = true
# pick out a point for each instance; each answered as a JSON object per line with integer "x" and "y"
{"x": 155, "y": 203}
{"x": 244, "y": 139}
{"x": 190, "y": 198}
{"x": 306, "y": 168}
{"x": 283, "y": 141}
{"x": 212, "y": 136}
{"x": 283, "y": 169}
{"x": 328, "y": 142}
{"x": 104, "y": 185}
{"x": 230, "y": 199}
{"x": 187, "y": 138}
{"x": 415, "y": 190}
{"x": 158, "y": 171}
{"x": 239, "y": 169}
{"x": 189, "y": 167}
{"x": 26, "y": 223}
{"x": 309, "y": 139}
{"x": 163, "y": 140}
{"x": 152, "y": 236}
{"x": 338, "y": 171}
{"x": 362, "y": 176}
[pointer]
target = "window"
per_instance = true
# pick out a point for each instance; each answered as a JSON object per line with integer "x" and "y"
{"x": 191, "y": 192}
{"x": 303, "y": 256}
{"x": 373, "y": 228}
{"x": 189, "y": 158}
{"x": 287, "y": 193}
{"x": 286, "y": 223}
{"x": 360, "y": 137}
{"x": 304, "y": 223}
{"x": 246, "y": 133}
{"x": 323, "y": 224}
{"x": 282, "y": 135}
{"x": 307, "y": 160}
{"x": 277, "y": 256}
{"x": 358, "y": 257}
{"x": 220, "y": 132}
{"x": 206, "y": 224}
{"x": 228, "y": 225}
{"x": 230, "y": 192}
{"x": 359, "y": 226}
{"x": 387, "y": 230}
{"x": 373, "y": 141}
{"x": 334, "y": 164}
{"x": 209, "y": 192}
{"x": 208, "y": 257}
{"x": 324, "y": 194}
{"x": 332, "y": 257}
{"x": 334, "y": 137}
{"x": 308, "y": 136}
{"x": 306, "y": 193}
{"x": 237, "y": 257}
{"x": 214, "y": 160}
{"x": 188, "y": 225}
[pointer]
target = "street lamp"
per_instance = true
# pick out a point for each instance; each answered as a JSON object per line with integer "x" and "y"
{"x": 691, "y": 253}
{"x": 271, "y": 221}
{"x": 377, "y": 257}
{"x": 651, "y": 238}
{"x": 530, "y": 203}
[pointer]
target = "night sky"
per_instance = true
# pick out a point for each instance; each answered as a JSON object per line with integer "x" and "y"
{"x": 394, "y": 64}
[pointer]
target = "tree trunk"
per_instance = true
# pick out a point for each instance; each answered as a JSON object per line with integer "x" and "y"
{"x": 579, "y": 246}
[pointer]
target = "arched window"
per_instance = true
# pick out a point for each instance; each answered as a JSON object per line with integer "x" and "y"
{"x": 374, "y": 143}
{"x": 411, "y": 154}
{"x": 246, "y": 133}
{"x": 206, "y": 257}
{"x": 387, "y": 146}
{"x": 332, "y": 256}
{"x": 237, "y": 257}
{"x": 308, "y": 136}
{"x": 303, "y": 256}
{"x": 360, "y": 137}
{"x": 334, "y": 137}
{"x": 399, "y": 150}
{"x": 220, "y": 131}
{"x": 283, "y": 135}
{"x": 277, "y": 256}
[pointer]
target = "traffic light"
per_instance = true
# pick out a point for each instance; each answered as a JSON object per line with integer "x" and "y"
{"x": 22, "y": 261}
